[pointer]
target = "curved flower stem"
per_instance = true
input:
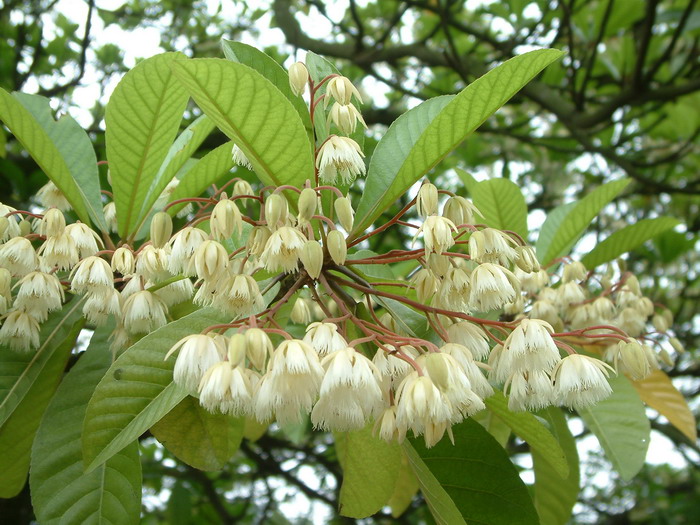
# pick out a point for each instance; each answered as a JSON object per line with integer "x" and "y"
{"x": 272, "y": 311}
{"x": 352, "y": 242}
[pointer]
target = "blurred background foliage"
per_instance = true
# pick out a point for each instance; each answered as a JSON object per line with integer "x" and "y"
{"x": 625, "y": 101}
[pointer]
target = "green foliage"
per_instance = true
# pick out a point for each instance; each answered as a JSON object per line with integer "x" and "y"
{"x": 61, "y": 491}
{"x": 137, "y": 390}
{"x": 568, "y": 222}
{"x": 627, "y": 239}
{"x": 621, "y": 426}
{"x": 197, "y": 437}
{"x": 370, "y": 471}
{"x": 478, "y": 476}
{"x": 555, "y": 497}
{"x": 502, "y": 205}
{"x": 142, "y": 119}
{"x": 253, "y": 113}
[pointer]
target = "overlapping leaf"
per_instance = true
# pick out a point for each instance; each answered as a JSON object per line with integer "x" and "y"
{"x": 416, "y": 145}
{"x": 476, "y": 474}
{"x": 253, "y": 113}
{"x": 366, "y": 457}
{"x": 502, "y": 204}
{"x": 61, "y": 491}
{"x": 40, "y": 145}
{"x": 142, "y": 119}
{"x": 621, "y": 426}
{"x": 626, "y": 239}
{"x": 138, "y": 389}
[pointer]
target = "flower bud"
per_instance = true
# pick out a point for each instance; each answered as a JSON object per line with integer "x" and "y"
{"x": 436, "y": 366}
{"x": 25, "y": 227}
{"x": 345, "y": 117}
{"x": 345, "y": 213}
{"x": 337, "y": 247}
{"x": 425, "y": 283}
{"x": 123, "y": 260}
{"x": 307, "y": 205}
{"x": 110, "y": 213}
{"x": 258, "y": 239}
{"x": 276, "y": 210}
{"x": 527, "y": 260}
{"x": 258, "y": 347}
{"x": 438, "y": 263}
{"x": 574, "y": 271}
{"x": 342, "y": 90}
{"x": 659, "y": 322}
{"x": 300, "y": 312}
{"x": 312, "y": 258}
{"x": 677, "y": 345}
{"x": 459, "y": 210}
{"x": 225, "y": 219}
{"x": 53, "y": 224}
{"x": 298, "y": 77}
{"x": 241, "y": 187}
{"x": 236, "y": 349}
{"x": 161, "y": 229}
{"x": 427, "y": 200}
{"x": 210, "y": 260}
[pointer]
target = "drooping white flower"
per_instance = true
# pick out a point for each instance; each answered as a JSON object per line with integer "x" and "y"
{"x": 228, "y": 389}
{"x": 18, "y": 256}
{"x": 197, "y": 353}
{"x": 87, "y": 242}
{"x": 342, "y": 90}
{"x": 324, "y": 338}
{"x": 210, "y": 260}
{"x": 449, "y": 376}
{"x": 471, "y": 336}
{"x": 152, "y": 263}
{"x": 240, "y": 158}
{"x": 340, "y": 156}
{"x": 529, "y": 346}
{"x": 20, "y": 331}
{"x": 420, "y": 403}
{"x": 183, "y": 245}
{"x": 530, "y": 390}
{"x": 283, "y": 249}
{"x": 492, "y": 246}
{"x": 225, "y": 219}
{"x": 437, "y": 234}
{"x": 92, "y": 274}
{"x": 581, "y": 381}
{"x": 492, "y": 287}
{"x": 238, "y": 295}
{"x": 39, "y": 293}
{"x": 143, "y": 312}
{"x": 59, "y": 252}
{"x": 99, "y": 306}
{"x": 463, "y": 356}
{"x": 49, "y": 196}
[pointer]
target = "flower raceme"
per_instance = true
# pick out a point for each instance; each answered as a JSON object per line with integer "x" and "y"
{"x": 319, "y": 327}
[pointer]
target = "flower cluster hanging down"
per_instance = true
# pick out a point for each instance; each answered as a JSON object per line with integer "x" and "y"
{"x": 312, "y": 333}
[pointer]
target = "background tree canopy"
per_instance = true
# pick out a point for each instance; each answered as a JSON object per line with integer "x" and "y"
{"x": 624, "y": 101}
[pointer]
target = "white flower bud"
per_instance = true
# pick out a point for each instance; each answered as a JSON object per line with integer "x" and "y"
{"x": 437, "y": 234}
{"x": 342, "y": 90}
{"x": 237, "y": 349}
{"x": 300, "y": 312}
{"x": 345, "y": 213}
{"x": 110, "y": 213}
{"x": 345, "y": 117}
{"x": 123, "y": 260}
{"x": 427, "y": 200}
{"x": 677, "y": 345}
{"x": 527, "y": 259}
{"x": 161, "y": 229}
{"x": 241, "y": 187}
{"x": 257, "y": 240}
{"x": 308, "y": 200}
{"x": 298, "y": 77}
{"x": 439, "y": 264}
{"x": 225, "y": 220}
{"x": 210, "y": 260}
{"x": 258, "y": 347}
{"x": 311, "y": 257}
{"x": 276, "y": 210}
{"x": 459, "y": 210}
{"x": 425, "y": 284}
{"x": 337, "y": 247}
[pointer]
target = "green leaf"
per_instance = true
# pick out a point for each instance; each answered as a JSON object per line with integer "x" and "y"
{"x": 43, "y": 150}
{"x": 61, "y": 492}
{"x": 621, "y": 426}
{"x": 525, "y": 425}
{"x": 502, "y": 205}
{"x": 555, "y": 497}
{"x": 405, "y": 489}
{"x": 75, "y": 146}
{"x": 271, "y": 70}
{"x": 197, "y": 437}
{"x": 550, "y": 227}
{"x": 142, "y": 119}
{"x": 365, "y": 457}
{"x": 577, "y": 219}
{"x": 383, "y": 186}
{"x": 138, "y": 389}
{"x": 18, "y": 430}
{"x": 253, "y": 113}
{"x": 180, "y": 152}
{"x": 418, "y": 144}
{"x": 626, "y": 239}
{"x": 19, "y": 371}
{"x": 441, "y": 505}
{"x": 205, "y": 172}
{"x": 479, "y": 477}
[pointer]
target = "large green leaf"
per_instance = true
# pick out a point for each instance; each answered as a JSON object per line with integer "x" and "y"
{"x": 197, "y": 437}
{"x": 40, "y": 145}
{"x": 479, "y": 477}
{"x": 19, "y": 371}
{"x": 502, "y": 205}
{"x": 180, "y": 152}
{"x": 61, "y": 492}
{"x": 17, "y": 432}
{"x": 383, "y": 185}
{"x": 253, "y": 113}
{"x": 550, "y": 227}
{"x": 626, "y": 239}
{"x": 138, "y": 389}
{"x": 577, "y": 219}
{"x": 76, "y": 148}
{"x": 440, "y": 503}
{"x": 621, "y": 426}
{"x": 205, "y": 172}
{"x": 405, "y": 489}
{"x": 271, "y": 70}
{"x": 142, "y": 119}
{"x": 555, "y": 497}
{"x": 525, "y": 425}
{"x": 418, "y": 148}
{"x": 370, "y": 471}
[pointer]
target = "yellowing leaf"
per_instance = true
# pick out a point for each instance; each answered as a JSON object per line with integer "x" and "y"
{"x": 658, "y": 392}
